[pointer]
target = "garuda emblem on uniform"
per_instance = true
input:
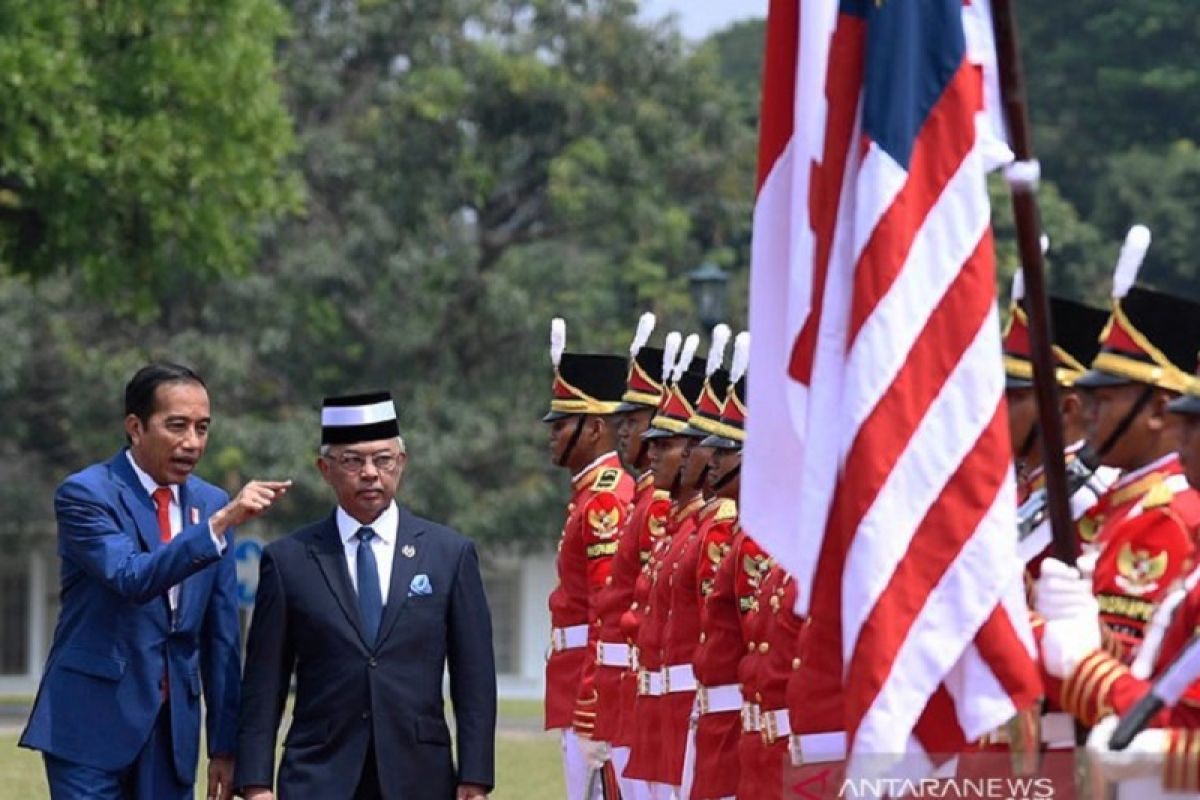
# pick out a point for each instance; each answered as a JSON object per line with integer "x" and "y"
{"x": 1139, "y": 571}
{"x": 604, "y": 522}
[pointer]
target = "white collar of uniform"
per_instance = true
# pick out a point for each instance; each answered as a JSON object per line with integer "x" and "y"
{"x": 1159, "y": 463}
{"x": 148, "y": 483}
{"x": 592, "y": 465}
{"x": 384, "y": 525}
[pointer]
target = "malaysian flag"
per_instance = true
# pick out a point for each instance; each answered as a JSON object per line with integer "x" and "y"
{"x": 877, "y": 464}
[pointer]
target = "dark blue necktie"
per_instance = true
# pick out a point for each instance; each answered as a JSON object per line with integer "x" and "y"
{"x": 370, "y": 596}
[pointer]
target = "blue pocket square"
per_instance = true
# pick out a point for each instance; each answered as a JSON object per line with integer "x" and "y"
{"x": 420, "y": 586}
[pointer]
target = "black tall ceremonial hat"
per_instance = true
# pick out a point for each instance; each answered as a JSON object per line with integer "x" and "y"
{"x": 644, "y": 384}
{"x": 355, "y": 418}
{"x": 1151, "y": 338}
{"x": 641, "y": 389}
{"x": 1076, "y": 329}
{"x": 584, "y": 383}
{"x": 729, "y": 432}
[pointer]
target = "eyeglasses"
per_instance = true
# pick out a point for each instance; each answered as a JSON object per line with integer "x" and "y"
{"x": 354, "y": 463}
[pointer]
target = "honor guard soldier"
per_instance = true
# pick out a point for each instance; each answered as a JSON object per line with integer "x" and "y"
{"x": 649, "y": 522}
{"x": 683, "y": 560}
{"x": 668, "y": 452}
{"x": 1076, "y": 341}
{"x": 1164, "y": 760}
{"x": 616, "y": 680}
{"x": 1144, "y": 525}
{"x": 719, "y": 698}
{"x": 586, "y": 394}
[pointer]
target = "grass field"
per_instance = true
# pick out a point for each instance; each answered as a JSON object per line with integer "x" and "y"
{"x": 527, "y": 762}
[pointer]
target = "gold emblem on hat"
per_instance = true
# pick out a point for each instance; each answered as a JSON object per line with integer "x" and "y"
{"x": 408, "y": 551}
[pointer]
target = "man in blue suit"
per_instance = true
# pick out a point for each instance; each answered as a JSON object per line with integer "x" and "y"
{"x": 368, "y": 607}
{"x": 149, "y": 609}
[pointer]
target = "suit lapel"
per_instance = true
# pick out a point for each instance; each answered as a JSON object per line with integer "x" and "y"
{"x": 139, "y": 504}
{"x": 330, "y": 555}
{"x": 408, "y": 532}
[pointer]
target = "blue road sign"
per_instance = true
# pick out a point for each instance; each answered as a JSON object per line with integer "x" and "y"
{"x": 247, "y": 552}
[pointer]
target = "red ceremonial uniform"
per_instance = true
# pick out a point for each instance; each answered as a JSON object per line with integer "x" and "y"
{"x": 1102, "y": 685}
{"x": 612, "y": 603}
{"x": 649, "y": 522}
{"x": 682, "y": 636}
{"x": 750, "y": 575}
{"x": 1146, "y": 548}
{"x": 719, "y": 726}
{"x": 779, "y": 653}
{"x": 650, "y": 758}
{"x": 599, "y": 505}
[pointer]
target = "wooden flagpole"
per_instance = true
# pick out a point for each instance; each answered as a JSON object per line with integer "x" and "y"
{"x": 1023, "y": 181}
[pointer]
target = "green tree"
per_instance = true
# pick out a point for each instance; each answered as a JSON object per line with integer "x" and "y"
{"x": 139, "y": 140}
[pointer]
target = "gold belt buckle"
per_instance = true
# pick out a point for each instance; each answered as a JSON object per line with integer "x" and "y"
{"x": 702, "y": 699}
{"x": 768, "y": 727}
{"x": 643, "y": 682}
{"x": 599, "y": 652}
{"x": 666, "y": 680}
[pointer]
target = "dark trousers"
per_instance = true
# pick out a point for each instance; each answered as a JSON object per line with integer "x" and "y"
{"x": 151, "y": 776}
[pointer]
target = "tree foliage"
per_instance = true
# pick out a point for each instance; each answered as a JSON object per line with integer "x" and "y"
{"x": 471, "y": 169}
{"x": 139, "y": 139}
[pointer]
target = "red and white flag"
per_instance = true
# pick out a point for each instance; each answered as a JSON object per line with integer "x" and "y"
{"x": 877, "y": 467}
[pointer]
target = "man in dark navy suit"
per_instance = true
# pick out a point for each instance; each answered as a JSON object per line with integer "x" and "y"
{"x": 368, "y": 608}
{"x": 149, "y": 609}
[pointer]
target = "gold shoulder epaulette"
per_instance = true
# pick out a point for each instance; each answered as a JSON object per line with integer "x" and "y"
{"x": 1159, "y": 495}
{"x": 727, "y": 510}
{"x": 606, "y": 480}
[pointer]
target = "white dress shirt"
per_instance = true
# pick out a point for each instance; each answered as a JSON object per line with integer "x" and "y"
{"x": 383, "y": 544}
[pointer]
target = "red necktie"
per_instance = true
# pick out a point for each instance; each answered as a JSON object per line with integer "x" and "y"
{"x": 162, "y": 500}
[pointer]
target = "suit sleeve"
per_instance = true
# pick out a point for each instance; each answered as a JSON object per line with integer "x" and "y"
{"x": 89, "y": 536}
{"x": 472, "y": 669}
{"x": 220, "y": 657}
{"x": 270, "y": 657}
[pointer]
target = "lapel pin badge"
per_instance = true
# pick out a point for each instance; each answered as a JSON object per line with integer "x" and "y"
{"x": 408, "y": 550}
{"x": 195, "y": 515}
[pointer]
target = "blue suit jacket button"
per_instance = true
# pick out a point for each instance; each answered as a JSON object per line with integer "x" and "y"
{"x": 366, "y": 715}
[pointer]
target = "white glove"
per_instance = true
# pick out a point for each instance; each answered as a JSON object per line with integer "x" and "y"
{"x": 1142, "y": 758}
{"x": 1062, "y": 592}
{"x": 1066, "y": 642}
{"x": 594, "y": 753}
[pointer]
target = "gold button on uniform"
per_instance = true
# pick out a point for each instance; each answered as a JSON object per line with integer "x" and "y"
{"x": 795, "y": 663}
{"x": 764, "y": 647}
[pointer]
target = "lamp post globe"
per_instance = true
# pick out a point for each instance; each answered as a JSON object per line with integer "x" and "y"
{"x": 709, "y": 286}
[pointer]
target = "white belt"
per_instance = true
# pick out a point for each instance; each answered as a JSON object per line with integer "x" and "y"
{"x": 612, "y": 654}
{"x": 817, "y": 748}
{"x": 568, "y": 638}
{"x": 650, "y": 682}
{"x": 679, "y": 678}
{"x": 775, "y": 725}
{"x": 1058, "y": 730}
{"x": 751, "y": 718}
{"x": 716, "y": 699}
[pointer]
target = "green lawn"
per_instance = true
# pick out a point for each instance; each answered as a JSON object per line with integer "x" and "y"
{"x": 527, "y": 763}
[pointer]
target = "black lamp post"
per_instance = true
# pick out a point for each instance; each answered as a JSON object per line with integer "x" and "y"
{"x": 709, "y": 287}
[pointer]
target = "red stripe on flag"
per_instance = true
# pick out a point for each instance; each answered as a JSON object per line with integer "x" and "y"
{"x": 944, "y": 141}
{"x": 779, "y": 84}
{"x": 935, "y": 354}
{"x": 997, "y": 640}
{"x": 936, "y": 544}
{"x": 937, "y": 728}
{"x": 843, "y": 84}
